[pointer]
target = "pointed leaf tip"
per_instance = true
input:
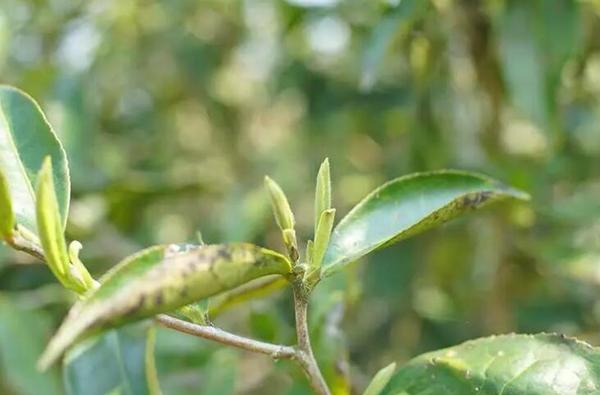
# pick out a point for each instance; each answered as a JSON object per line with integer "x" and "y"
{"x": 409, "y": 205}
{"x": 322, "y": 192}
{"x": 281, "y": 207}
{"x": 380, "y": 380}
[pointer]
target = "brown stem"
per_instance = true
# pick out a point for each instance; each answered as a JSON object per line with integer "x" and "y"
{"x": 20, "y": 243}
{"x": 305, "y": 355}
{"x": 210, "y": 332}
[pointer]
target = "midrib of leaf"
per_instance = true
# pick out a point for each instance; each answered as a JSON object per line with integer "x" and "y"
{"x": 20, "y": 187}
{"x": 116, "y": 343}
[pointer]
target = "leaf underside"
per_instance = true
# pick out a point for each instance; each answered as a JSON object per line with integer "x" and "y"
{"x": 544, "y": 364}
{"x": 161, "y": 279}
{"x": 407, "y": 206}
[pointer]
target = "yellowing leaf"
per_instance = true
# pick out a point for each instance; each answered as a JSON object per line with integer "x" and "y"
{"x": 7, "y": 216}
{"x": 50, "y": 227}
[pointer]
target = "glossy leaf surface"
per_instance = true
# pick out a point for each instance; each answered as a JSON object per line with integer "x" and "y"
{"x": 26, "y": 138}
{"x": 406, "y": 206}
{"x": 545, "y": 364}
{"x": 161, "y": 279}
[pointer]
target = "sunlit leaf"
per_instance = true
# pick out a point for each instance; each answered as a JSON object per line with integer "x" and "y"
{"x": 7, "y": 216}
{"x": 406, "y": 206}
{"x": 322, "y": 192}
{"x": 49, "y": 222}
{"x": 115, "y": 360}
{"x": 161, "y": 279}
{"x": 545, "y": 364}
{"x": 26, "y": 138}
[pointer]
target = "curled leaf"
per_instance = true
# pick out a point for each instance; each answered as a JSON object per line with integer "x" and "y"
{"x": 322, "y": 237}
{"x": 281, "y": 207}
{"x": 161, "y": 279}
{"x": 50, "y": 228}
{"x": 322, "y": 192}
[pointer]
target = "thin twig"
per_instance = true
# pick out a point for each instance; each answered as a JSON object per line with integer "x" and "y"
{"x": 210, "y": 332}
{"x": 305, "y": 355}
{"x": 302, "y": 353}
{"x": 20, "y": 243}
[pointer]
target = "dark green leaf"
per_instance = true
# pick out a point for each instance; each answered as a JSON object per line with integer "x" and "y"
{"x": 161, "y": 279}
{"x": 113, "y": 361}
{"x": 26, "y": 138}
{"x": 406, "y": 206}
{"x": 543, "y": 364}
{"x": 22, "y": 335}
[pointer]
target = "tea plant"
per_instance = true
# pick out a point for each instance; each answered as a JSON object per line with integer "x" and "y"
{"x": 169, "y": 284}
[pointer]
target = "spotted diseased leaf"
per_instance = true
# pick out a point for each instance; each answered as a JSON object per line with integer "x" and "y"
{"x": 545, "y": 364}
{"x": 161, "y": 279}
{"x": 407, "y": 206}
{"x": 26, "y": 138}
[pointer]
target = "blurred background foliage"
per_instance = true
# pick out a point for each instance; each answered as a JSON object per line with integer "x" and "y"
{"x": 172, "y": 112}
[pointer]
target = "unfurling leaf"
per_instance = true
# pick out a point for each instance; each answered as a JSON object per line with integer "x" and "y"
{"x": 161, "y": 279}
{"x": 291, "y": 244}
{"x": 281, "y": 207}
{"x": 322, "y": 238}
{"x": 322, "y": 192}
{"x": 545, "y": 364}
{"x": 7, "y": 216}
{"x": 406, "y": 206}
{"x": 196, "y": 312}
{"x": 50, "y": 229}
{"x": 26, "y": 138}
{"x": 380, "y": 380}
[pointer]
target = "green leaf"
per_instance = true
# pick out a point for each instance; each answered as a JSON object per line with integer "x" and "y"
{"x": 545, "y": 364}
{"x": 406, "y": 206}
{"x": 22, "y": 334}
{"x": 322, "y": 192}
{"x": 115, "y": 361}
{"x": 26, "y": 138}
{"x": 49, "y": 224}
{"x": 380, "y": 380}
{"x": 281, "y": 207}
{"x": 322, "y": 237}
{"x": 161, "y": 279}
{"x": 7, "y": 216}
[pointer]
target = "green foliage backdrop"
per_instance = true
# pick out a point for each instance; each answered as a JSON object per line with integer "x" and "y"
{"x": 171, "y": 113}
